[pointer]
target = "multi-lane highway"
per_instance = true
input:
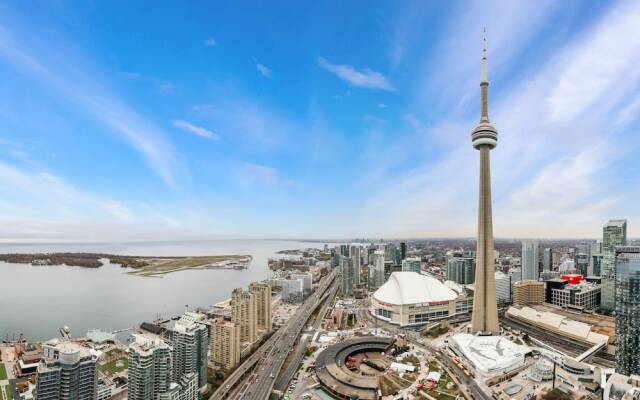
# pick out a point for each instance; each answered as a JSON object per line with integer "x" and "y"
{"x": 255, "y": 377}
{"x": 293, "y": 363}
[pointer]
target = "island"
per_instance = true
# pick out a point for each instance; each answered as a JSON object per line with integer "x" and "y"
{"x": 140, "y": 265}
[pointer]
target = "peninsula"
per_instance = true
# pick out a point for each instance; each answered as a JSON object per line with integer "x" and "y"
{"x": 141, "y": 265}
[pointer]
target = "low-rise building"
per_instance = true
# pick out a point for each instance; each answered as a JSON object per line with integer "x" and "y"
{"x": 489, "y": 355}
{"x": 583, "y": 296}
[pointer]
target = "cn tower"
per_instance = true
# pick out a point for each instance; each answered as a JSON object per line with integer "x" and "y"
{"x": 484, "y": 138}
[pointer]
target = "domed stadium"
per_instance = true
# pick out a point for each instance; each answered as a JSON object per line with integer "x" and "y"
{"x": 411, "y": 298}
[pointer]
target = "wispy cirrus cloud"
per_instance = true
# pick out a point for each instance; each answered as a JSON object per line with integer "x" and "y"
{"x": 263, "y": 69}
{"x": 73, "y": 81}
{"x": 262, "y": 173}
{"x": 38, "y": 193}
{"x": 247, "y": 120}
{"x": 365, "y": 78}
{"x": 195, "y": 129}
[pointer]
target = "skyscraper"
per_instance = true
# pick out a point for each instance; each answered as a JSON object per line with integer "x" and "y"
{"x": 67, "y": 372}
{"x": 376, "y": 271}
{"x": 484, "y": 318}
{"x": 356, "y": 263}
{"x": 461, "y": 270}
{"x": 530, "y": 269}
{"x": 614, "y": 233}
{"x": 546, "y": 259}
{"x": 243, "y": 313}
{"x": 262, "y": 293}
{"x": 595, "y": 259}
{"x": 411, "y": 264}
{"x": 346, "y": 276}
{"x": 149, "y": 367}
{"x": 189, "y": 340}
{"x": 627, "y": 301}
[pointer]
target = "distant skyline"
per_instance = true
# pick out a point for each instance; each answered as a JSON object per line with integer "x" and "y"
{"x": 177, "y": 121}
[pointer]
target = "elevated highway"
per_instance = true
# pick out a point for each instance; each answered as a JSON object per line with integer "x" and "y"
{"x": 255, "y": 377}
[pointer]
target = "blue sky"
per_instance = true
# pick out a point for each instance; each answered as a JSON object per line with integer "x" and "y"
{"x": 181, "y": 120}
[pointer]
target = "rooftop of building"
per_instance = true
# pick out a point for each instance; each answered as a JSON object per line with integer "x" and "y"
{"x": 615, "y": 222}
{"x": 559, "y": 323}
{"x": 528, "y": 282}
{"x": 147, "y": 342}
{"x": 64, "y": 346}
{"x": 490, "y": 353}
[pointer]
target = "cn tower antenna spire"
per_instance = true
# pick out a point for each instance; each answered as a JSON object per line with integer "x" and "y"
{"x": 484, "y": 82}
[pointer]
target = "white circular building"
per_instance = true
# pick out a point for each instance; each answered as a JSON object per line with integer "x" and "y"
{"x": 410, "y": 298}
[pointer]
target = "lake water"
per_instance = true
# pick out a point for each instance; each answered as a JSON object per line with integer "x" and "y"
{"x": 38, "y": 300}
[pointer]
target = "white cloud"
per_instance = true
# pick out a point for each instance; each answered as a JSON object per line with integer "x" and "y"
{"x": 262, "y": 174}
{"x": 72, "y": 81}
{"x": 594, "y": 66}
{"x": 248, "y": 121}
{"x": 196, "y": 130}
{"x": 365, "y": 78}
{"x": 38, "y": 193}
{"x": 211, "y": 42}
{"x": 265, "y": 71}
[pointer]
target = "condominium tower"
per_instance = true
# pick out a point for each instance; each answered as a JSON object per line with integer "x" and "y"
{"x": 356, "y": 262}
{"x": 225, "y": 348}
{"x": 189, "y": 339}
{"x": 67, "y": 372}
{"x": 614, "y": 233}
{"x": 411, "y": 264}
{"x": 376, "y": 271}
{"x": 529, "y": 260}
{"x": 262, "y": 294}
{"x": 346, "y": 276}
{"x": 627, "y": 301}
{"x": 484, "y": 138}
{"x": 149, "y": 367}
{"x": 243, "y": 313}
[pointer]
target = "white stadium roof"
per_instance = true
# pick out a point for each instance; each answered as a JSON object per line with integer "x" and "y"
{"x": 411, "y": 288}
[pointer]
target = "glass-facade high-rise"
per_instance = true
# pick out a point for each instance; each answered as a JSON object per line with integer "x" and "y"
{"x": 411, "y": 264}
{"x": 530, "y": 269}
{"x": 461, "y": 270}
{"x": 67, "y": 372}
{"x": 614, "y": 234}
{"x": 356, "y": 262}
{"x": 627, "y": 301}
{"x": 346, "y": 276}
{"x": 546, "y": 259}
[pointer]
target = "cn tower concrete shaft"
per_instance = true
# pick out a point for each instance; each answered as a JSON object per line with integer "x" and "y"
{"x": 484, "y": 319}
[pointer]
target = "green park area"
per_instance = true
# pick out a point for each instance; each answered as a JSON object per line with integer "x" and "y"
{"x": 114, "y": 366}
{"x": 8, "y": 392}
{"x": 3, "y": 372}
